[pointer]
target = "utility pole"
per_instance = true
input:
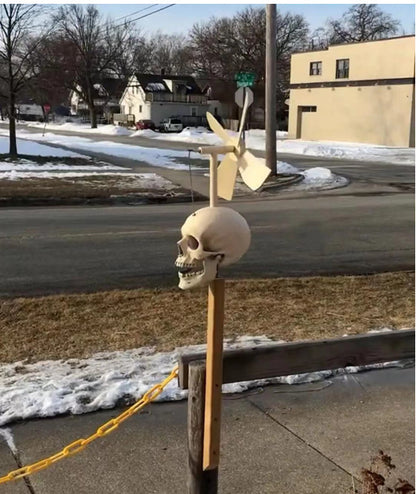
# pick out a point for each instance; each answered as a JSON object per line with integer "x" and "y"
{"x": 271, "y": 87}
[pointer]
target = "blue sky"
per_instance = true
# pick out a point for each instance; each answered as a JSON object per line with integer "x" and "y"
{"x": 181, "y": 17}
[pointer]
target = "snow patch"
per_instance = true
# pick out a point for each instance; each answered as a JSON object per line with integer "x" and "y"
{"x": 84, "y": 128}
{"x": 349, "y": 151}
{"x": 165, "y": 158}
{"x": 9, "y": 440}
{"x": 109, "y": 379}
{"x": 35, "y": 149}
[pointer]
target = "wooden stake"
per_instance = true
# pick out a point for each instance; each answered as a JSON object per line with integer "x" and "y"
{"x": 212, "y": 424}
{"x": 213, "y": 188}
{"x": 199, "y": 481}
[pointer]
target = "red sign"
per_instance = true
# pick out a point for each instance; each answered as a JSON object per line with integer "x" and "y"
{"x": 47, "y": 108}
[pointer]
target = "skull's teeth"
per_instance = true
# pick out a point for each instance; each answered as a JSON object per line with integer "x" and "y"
{"x": 188, "y": 275}
{"x": 184, "y": 265}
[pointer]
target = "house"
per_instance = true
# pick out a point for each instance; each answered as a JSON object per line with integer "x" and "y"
{"x": 360, "y": 92}
{"x": 220, "y": 97}
{"x": 156, "y": 97}
{"x": 107, "y": 94}
{"x": 221, "y": 102}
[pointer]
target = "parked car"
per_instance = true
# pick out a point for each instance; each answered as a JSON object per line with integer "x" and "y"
{"x": 171, "y": 125}
{"x": 145, "y": 124}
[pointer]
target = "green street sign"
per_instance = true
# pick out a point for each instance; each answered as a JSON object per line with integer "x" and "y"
{"x": 245, "y": 79}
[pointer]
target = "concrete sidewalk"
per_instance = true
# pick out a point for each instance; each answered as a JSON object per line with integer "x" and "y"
{"x": 301, "y": 439}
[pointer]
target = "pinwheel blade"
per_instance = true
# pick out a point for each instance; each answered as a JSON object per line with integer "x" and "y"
{"x": 253, "y": 170}
{"x": 217, "y": 128}
{"x": 226, "y": 174}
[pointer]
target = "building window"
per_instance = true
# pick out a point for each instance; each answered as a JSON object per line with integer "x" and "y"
{"x": 140, "y": 108}
{"x": 193, "y": 111}
{"x": 343, "y": 68}
{"x": 308, "y": 108}
{"x": 315, "y": 68}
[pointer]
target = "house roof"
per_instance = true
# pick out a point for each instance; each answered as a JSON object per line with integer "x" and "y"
{"x": 215, "y": 89}
{"x": 156, "y": 83}
{"x": 113, "y": 86}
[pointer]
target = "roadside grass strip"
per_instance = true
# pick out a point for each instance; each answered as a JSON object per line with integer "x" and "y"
{"x": 289, "y": 309}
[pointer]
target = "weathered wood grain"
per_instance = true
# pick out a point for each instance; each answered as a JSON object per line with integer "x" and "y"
{"x": 275, "y": 360}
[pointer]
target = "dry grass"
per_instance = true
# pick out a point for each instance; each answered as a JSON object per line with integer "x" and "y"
{"x": 94, "y": 186}
{"x": 86, "y": 187}
{"x": 65, "y": 326}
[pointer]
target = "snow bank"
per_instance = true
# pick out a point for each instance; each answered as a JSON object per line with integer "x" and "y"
{"x": 320, "y": 178}
{"x": 255, "y": 139}
{"x": 349, "y": 151}
{"x": 108, "y": 379}
{"x": 29, "y": 166}
{"x": 315, "y": 178}
{"x": 165, "y": 158}
{"x": 84, "y": 128}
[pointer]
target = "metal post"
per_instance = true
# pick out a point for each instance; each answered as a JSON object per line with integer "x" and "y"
{"x": 271, "y": 80}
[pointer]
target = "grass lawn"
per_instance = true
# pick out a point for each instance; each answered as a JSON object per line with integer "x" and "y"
{"x": 75, "y": 326}
{"x": 39, "y": 177}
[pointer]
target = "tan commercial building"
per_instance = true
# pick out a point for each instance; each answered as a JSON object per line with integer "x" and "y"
{"x": 361, "y": 92}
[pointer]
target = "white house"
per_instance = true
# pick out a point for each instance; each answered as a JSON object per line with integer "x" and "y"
{"x": 106, "y": 97}
{"x": 156, "y": 97}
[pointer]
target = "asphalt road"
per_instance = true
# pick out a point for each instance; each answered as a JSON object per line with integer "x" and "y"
{"x": 366, "y": 227}
{"x": 76, "y": 249}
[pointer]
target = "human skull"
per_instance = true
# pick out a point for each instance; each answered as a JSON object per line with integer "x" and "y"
{"x": 211, "y": 236}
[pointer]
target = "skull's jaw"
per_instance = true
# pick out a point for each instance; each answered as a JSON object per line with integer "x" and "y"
{"x": 197, "y": 273}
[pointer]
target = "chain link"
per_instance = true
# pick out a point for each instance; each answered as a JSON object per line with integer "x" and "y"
{"x": 80, "y": 444}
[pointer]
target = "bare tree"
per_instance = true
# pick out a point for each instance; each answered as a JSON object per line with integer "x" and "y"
{"x": 16, "y": 47}
{"x": 362, "y": 22}
{"x": 53, "y": 66}
{"x": 135, "y": 57}
{"x": 98, "y": 45}
{"x": 169, "y": 53}
{"x": 226, "y": 46}
{"x": 223, "y": 47}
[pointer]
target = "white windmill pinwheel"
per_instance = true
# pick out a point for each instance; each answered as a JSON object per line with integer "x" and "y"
{"x": 253, "y": 171}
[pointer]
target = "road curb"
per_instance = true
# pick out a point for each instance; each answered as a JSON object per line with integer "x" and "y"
{"x": 136, "y": 200}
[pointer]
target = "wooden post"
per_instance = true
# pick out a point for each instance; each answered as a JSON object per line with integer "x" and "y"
{"x": 212, "y": 423}
{"x": 213, "y": 188}
{"x": 199, "y": 481}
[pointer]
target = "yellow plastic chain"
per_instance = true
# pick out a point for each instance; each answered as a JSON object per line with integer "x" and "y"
{"x": 80, "y": 444}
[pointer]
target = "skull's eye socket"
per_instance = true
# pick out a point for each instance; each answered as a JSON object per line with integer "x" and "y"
{"x": 193, "y": 243}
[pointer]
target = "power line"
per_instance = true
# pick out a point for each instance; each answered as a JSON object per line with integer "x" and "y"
{"x": 146, "y": 15}
{"x": 136, "y": 12}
